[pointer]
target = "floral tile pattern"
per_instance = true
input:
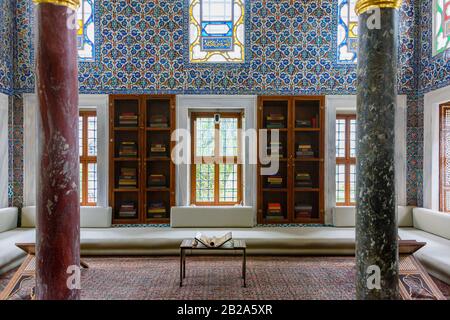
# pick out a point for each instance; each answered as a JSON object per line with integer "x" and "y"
{"x": 141, "y": 47}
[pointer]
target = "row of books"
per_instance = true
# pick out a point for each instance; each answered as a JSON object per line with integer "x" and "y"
{"x": 303, "y": 180}
{"x": 127, "y": 210}
{"x": 132, "y": 119}
{"x": 275, "y": 149}
{"x": 275, "y": 121}
{"x": 304, "y": 123}
{"x": 274, "y": 182}
{"x": 158, "y": 121}
{"x": 155, "y": 210}
{"x": 128, "y": 119}
{"x": 128, "y": 149}
{"x": 303, "y": 210}
{"x": 304, "y": 150}
{"x": 275, "y": 212}
{"x": 127, "y": 178}
{"x": 158, "y": 149}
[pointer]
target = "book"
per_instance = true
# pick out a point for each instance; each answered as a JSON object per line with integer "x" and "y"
{"x": 156, "y": 180}
{"x": 127, "y": 210}
{"x": 212, "y": 242}
{"x": 158, "y": 148}
{"x": 127, "y": 178}
{"x": 275, "y": 121}
{"x": 128, "y": 149}
{"x": 156, "y": 210}
{"x": 158, "y": 121}
{"x": 303, "y": 123}
{"x": 128, "y": 118}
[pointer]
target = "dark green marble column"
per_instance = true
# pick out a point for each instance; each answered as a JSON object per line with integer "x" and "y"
{"x": 376, "y": 217}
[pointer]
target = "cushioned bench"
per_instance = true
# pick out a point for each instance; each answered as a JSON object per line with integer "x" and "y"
{"x": 98, "y": 238}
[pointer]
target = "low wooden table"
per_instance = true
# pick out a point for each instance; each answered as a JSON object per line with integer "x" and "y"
{"x": 26, "y": 272}
{"x": 192, "y": 245}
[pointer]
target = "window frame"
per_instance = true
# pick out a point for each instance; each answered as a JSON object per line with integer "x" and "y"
{"x": 86, "y": 159}
{"x": 347, "y": 161}
{"x": 216, "y": 159}
{"x": 443, "y": 206}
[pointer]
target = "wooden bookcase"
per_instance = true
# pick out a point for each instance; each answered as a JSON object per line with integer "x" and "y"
{"x": 142, "y": 135}
{"x": 301, "y": 124}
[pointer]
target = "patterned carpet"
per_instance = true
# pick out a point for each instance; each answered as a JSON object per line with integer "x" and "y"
{"x": 154, "y": 278}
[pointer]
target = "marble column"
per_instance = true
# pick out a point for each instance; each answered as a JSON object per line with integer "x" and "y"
{"x": 376, "y": 210}
{"x": 58, "y": 204}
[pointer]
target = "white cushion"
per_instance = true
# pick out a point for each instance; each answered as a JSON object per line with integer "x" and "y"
{"x": 90, "y": 217}
{"x": 405, "y": 216}
{"x": 10, "y": 255}
{"x": 8, "y": 219}
{"x": 434, "y": 222}
{"x": 346, "y": 216}
{"x": 28, "y": 217}
{"x": 95, "y": 217}
{"x": 212, "y": 217}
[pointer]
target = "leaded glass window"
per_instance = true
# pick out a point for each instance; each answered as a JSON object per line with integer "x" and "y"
{"x": 347, "y": 33}
{"x": 345, "y": 160}
{"x": 441, "y": 26}
{"x": 87, "y": 139}
{"x": 216, "y": 31}
{"x": 216, "y": 166}
{"x": 86, "y": 30}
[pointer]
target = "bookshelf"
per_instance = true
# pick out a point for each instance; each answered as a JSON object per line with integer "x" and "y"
{"x": 142, "y": 175}
{"x": 295, "y": 192}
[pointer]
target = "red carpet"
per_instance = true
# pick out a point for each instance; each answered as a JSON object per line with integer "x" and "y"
{"x": 287, "y": 278}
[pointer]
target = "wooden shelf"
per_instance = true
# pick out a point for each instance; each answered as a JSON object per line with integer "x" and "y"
{"x": 307, "y": 130}
{"x": 159, "y": 189}
{"x": 126, "y": 159}
{"x": 290, "y": 110}
{"x": 148, "y": 109}
{"x": 157, "y": 159}
{"x": 125, "y": 129}
{"x": 158, "y": 129}
{"x": 275, "y": 190}
{"x": 126, "y": 189}
{"x": 307, "y": 159}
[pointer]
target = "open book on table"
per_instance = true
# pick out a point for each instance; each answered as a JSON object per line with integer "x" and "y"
{"x": 213, "y": 242}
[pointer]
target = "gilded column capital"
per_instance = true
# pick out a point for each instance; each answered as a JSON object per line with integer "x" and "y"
{"x": 72, "y": 4}
{"x": 364, "y": 5}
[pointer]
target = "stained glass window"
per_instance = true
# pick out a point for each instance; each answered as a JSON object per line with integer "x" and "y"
{"x": 216, "y": 31}
{"x": 347, "y": 33}
{"x": 86, "y": 30}
{"x": 441, "y": 26}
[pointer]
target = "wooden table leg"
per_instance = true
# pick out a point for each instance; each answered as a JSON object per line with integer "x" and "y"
{"x": 181, "y": 267}
{"x": 184, "y": 265}
{"x": 244, "y": 267}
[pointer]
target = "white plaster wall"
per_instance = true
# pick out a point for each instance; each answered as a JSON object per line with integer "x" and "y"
{"x": 97, "y": 102}
{"x": 432, "y": 100}
{"x": 186, "y": 103}
{"x": 346, "y": 104}
{"x": 3, "y": 150}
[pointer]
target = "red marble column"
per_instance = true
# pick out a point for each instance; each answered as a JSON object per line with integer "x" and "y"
{"x": 58, "y": 204}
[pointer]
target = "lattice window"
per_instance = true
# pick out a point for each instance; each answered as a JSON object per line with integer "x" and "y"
{"x": 441, "y": 26}
{"x": 86, "y": 30}
{"x": 216, "y": 167}
{"x": 87, "y": 132}
{"x": 444, "y": 189}
{"x": 217, "y": 31}
{"x": 347, "y": 33}
{"x": 345, "y": 160}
